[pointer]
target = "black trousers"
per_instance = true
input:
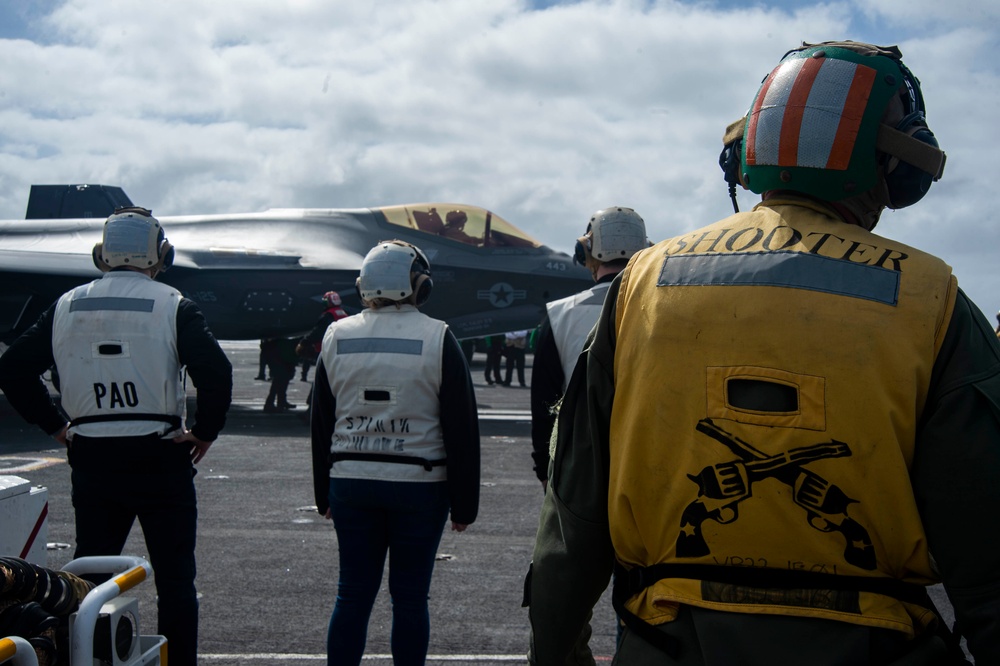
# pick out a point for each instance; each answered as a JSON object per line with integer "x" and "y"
{"x": 494, "y": 354}
{"x": 515, "y": 357}
{"x": 115, "y": 481}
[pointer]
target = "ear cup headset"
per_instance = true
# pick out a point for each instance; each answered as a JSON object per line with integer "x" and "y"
{"x": 906, "y": 181}
{"x": 166, "y": 254}
{"x": 584, "y": 246}
{"x": 729, "y": 161}
{"x": 908, "y": 154}
{"x": 97, "y": 256}
{"x": 420, "y": 273}
{"x": 164, "y": 251}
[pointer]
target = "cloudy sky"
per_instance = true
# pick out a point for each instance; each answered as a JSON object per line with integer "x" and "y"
{"x": 542, "y": 111}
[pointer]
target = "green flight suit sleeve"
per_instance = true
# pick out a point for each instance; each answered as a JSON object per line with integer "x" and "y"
{"x": 574, "y": 557}
{"x": 955, "y": 470}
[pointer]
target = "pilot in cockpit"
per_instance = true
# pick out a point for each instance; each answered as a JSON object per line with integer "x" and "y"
{"x": 454, "y": 228}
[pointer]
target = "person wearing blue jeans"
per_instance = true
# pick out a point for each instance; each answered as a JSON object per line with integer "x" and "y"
{"x": 373, "y": 518}
{"x": 388, "y": 463}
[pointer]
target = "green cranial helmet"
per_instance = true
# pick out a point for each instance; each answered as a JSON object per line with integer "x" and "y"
{"x": 818, "y": 126}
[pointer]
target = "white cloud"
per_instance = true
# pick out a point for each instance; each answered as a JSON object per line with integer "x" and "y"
{"x": 542, "y": 116}
{"x": 923, "y": 15}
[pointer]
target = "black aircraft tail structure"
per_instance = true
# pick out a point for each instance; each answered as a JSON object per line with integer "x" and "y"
{"x": 70, "y": 202}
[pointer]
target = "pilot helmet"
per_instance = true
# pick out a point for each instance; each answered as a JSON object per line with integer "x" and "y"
{"x": 331, "y": 299}
{"x": 133, "y": 237}
{"x": 395, "y": 271}
{"x": 456, "y": 218}
{"x": 612, "y": 233}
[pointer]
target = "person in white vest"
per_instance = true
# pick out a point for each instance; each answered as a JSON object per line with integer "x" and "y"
{"x": 613, "y": 235}
{"x": 786, "y": 426}
{"x": 389, "y": 461}
{"x": 123, "y": 346}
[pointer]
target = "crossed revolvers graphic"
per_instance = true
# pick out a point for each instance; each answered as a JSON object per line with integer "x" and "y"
{"x": 723, "y": 486}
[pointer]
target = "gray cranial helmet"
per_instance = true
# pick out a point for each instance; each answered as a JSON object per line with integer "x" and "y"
{"x": 133, "y": 237}
{"x": 395, "y": 271}
{"x": 613, "y": 233}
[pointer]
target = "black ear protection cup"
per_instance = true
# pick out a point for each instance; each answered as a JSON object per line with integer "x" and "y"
{"x": 422, "y": 287}
{"x": 95, "y": 254}
{"x": 164, "y": 251}
{"x": 166, "y": 255}
{"x": 729, "y": 161}
{"x": 907, "y": 184}
{"x": 583, "y": 247}
{"x": 420, "y": 278}
{"x": 581, "y": 250}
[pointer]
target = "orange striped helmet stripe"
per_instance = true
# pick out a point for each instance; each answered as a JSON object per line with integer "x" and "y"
{"x": 850, "y": 118}
{"x": 791, "y": 124}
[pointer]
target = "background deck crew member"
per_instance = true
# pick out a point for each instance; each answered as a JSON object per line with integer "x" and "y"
{"x": 613, "y": 235}
{"x": 309, "y": 345}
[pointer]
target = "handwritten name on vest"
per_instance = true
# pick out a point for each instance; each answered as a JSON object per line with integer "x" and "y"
{"x": 783, "y": 237}
{"x": 356, "y": 425}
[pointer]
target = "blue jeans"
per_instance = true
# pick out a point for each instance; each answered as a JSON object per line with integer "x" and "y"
{"x": 373, "y": 518}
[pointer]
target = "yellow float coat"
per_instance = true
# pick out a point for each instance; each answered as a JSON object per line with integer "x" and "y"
{"x": 764, "y": 432}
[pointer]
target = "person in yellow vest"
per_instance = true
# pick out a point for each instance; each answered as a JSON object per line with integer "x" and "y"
{"x": 785, "y": 427}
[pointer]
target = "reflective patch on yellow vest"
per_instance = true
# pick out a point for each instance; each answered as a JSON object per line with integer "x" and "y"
{"x": 782, "y": 269}
{"x": 841, "y": 601}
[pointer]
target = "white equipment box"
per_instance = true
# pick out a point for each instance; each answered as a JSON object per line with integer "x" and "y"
{"x": 24, "y": 511}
